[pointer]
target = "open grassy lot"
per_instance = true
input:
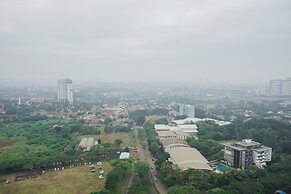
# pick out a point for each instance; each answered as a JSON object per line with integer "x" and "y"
{"x": 126, "y": 137}
{"x": 77, "y": 180}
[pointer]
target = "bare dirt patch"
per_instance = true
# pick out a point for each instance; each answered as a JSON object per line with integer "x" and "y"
{"x": 6, "y": 143}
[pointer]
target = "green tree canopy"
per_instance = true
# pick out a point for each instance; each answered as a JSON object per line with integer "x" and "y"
{"x": 141, "y": 168}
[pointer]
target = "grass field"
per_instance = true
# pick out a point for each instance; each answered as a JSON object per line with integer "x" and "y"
{"x": 69, "y": 181}
{"x": 127, "y": 138}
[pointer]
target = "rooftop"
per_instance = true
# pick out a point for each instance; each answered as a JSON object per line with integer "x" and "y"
{"x": 195, "y": 120}
{"x": 166, "y": 133}
{"x": 181, "y": 133}
{"x": 187, "y": 120}
{"x": 124, "y": 155}
{"x": 161, "y": 127}
{"x": 247, "y": 143}
{"x": 167, "y": 142}
{"x": 187, "y": 157}
{"x": 187, "y": 128}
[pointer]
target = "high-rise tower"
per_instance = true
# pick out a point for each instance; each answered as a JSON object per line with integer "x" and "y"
{"x": 276, "y": 87}
{"x": 65, "y": 90}
{"x": 187, "y": 110}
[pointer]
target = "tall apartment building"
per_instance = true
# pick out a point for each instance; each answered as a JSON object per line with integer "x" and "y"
{"x": 286, "y": 87}
{"x": 280, "y": 87}
{"x": 276, "y": 87}
{"x": 247, "y": 152}
{"x": 65, "y": 90}
{"x": 187, "y": 110}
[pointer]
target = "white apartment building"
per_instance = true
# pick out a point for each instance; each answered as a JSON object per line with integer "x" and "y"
{"x": 187, "y": 110}
{"x": 286, "y": 87}
{"x": 247, "y": 152}
{"x": 65, "y": 90}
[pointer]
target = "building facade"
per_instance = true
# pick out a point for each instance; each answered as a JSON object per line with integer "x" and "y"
{"x": 246, "y": 153}
{"x": 187, "y": 110}
{"x": 286, "y": 87}
{"x": 276, "y": 87}
{"x": 280, "y": 87}
{"x": 65, "y": 90}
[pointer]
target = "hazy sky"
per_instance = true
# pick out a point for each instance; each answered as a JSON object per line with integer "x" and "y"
{"x": 232, "y": 41}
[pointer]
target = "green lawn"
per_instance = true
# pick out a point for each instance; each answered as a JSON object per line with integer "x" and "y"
{"x": 69, "y": 181}
{"x": 126, "y": 137}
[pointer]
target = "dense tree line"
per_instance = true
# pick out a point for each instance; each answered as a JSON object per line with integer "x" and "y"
{"x": 163, "y": 120}
{"x": 115, "y": 129}
{"x": 276, "y": 134}
{"x": 39, "y": 142}
{"x": 139, "y": 116}
{"x": 155, "y": 145}
{"x": 84, "y": 130}
{"x": 209, "y": 148}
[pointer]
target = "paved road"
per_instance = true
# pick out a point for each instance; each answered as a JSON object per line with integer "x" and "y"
{"x": 145, "y": 155}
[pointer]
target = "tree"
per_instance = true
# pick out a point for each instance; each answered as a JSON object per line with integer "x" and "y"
{"x": 141, "y": 168}
{"x": 112, "y": 180}
{"x": 138, "y": 116}
{"x": 104, "y": 191}
{"x": 169, "y": 175}
{"x": 200, "y": 113}
{"x": 124, "y": 164}
{"x": 107, "y": 120}
{"x": 179, "y": 117}
{"x": 162, "y": 121}
{"x": 118, "y": 142}
{"x": 177, "y": 189}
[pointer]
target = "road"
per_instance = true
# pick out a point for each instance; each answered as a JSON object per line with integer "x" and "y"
{"x": 145, "y": 155}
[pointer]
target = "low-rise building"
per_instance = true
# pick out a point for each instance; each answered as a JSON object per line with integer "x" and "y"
{"x": 166, "y": 134}
{"x": 193, "y": 121}
{"x": 247, "y": 152}
{"x": 124, "y": 155}
{"x": 181, "y": 154}
{"x": 187, "y": 158}
{"x": 172, "y": 134}
{"x": 182, "y": 131}
{"x": 173, "y": 143}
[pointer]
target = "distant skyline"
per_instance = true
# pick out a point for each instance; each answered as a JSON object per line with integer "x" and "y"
{"x": 177, "y": 41}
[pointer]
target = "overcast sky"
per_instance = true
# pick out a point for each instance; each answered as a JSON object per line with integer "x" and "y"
{"x": 225, "y": 41}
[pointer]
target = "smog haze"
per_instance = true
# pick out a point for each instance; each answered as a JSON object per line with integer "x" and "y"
{"x": 242, "y": 41}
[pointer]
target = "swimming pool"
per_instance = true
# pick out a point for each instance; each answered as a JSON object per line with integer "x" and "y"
{"x": 221, "y": 167}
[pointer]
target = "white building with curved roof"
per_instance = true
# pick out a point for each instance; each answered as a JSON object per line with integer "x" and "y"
{"x": 187, "y": 158}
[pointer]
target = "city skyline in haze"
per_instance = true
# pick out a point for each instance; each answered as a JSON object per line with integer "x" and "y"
{"x": 243, "y": 41}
